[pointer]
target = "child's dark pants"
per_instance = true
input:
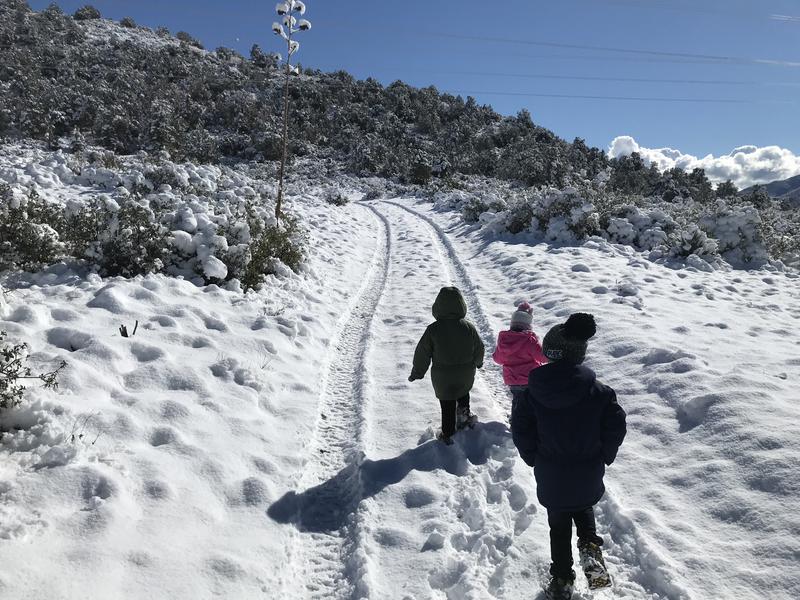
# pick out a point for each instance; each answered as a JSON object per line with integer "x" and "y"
{"x": 517, "y": 394}
{"x": 561, "y": 537}
{"x": 449, "y": 413}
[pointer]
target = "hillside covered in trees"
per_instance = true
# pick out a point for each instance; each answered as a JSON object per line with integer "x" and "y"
{"x": 129, "y": 88}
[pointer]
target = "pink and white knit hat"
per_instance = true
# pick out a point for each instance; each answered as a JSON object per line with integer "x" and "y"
{"x": 523, "y": 316}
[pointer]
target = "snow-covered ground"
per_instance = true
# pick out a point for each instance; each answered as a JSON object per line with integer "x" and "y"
{"x": 270, "y": 446}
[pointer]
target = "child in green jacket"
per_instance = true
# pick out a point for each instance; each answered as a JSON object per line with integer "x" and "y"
{"x": 453, "y": 345}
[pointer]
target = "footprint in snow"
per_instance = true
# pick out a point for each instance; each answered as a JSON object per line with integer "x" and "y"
{"x": 157, "y": 490}
{"x": 417, "y": 497}
{"x": 145, "y": 353}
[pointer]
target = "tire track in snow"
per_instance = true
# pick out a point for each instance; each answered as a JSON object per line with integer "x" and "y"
{"x": 646, "y": 573}
{"x": 324, "y": 554}
{"x": 491, "y": 374}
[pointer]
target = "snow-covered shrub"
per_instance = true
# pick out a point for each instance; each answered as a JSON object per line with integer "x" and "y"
{"x": 128, "y": 23}
{"x": 165, "y": 175}
{"x": 189, "y": 39}
{"x": 336, "y": 197}
{"x": 421, "y": 173}
{"x": 738, "y": 233}
{"x": 475, "y": 206}
{"x": 520, "y": 214}
{"x": 28, "y": 238}
{"x": 87, "y": 13}
{"x": 565, "y": 216}
{"x": 134, "y": 242}
{"x": 284, "y": 243}
{"x": 692, "y": 241}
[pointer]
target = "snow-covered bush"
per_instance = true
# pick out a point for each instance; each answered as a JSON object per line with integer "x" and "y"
{"x": 475, "y": 206}
{"x": 128, "y": 23}
{"x": 336, "y": 197}
{"x": 738, "y": 233}
{"x": 86, "y": 13}
{"x": 134, "y": 243}
{"x": 284, "y": 244}
{"x": 565, "y": 216}
{"x": 209, "y": 224}
{"x": 693, "y": 241}
{"x": 421, "y": 173}
{"x": 189, "y": 39}
{"x": 520, "y": 214}
{"x": 28, "y": 238}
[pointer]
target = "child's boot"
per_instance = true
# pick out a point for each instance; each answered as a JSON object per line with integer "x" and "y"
{"x": 447, "y": 440}
{"x": 593, "y": 565}
{"x": 560, "y": 588}
{"x": 464, "y": 418}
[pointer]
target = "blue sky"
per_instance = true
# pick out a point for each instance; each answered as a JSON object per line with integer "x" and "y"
{"x": 501, "y": 51}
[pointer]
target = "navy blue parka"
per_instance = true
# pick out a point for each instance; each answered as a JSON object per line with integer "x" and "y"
{"x": 568, "y": 427}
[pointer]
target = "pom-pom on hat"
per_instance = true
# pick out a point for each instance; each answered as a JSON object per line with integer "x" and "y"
{"x": 569, "y": 341}
{"x": 522, "y": 317}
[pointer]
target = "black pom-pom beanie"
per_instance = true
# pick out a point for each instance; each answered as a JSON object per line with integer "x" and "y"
{"x": 569, "y": 341}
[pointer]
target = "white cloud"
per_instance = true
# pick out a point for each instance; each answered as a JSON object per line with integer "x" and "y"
{"x": 745, "y": 166}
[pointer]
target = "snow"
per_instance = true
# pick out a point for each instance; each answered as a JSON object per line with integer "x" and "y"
{"x": 270, "y": 445}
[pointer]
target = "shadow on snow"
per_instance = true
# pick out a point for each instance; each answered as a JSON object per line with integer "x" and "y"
{"x": 326, "y": 507}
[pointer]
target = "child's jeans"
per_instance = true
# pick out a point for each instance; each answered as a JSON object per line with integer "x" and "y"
{"x": 449, "y": 413}
{"x": 561, "y": 538}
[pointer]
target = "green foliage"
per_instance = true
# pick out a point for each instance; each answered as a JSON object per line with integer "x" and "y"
{"x": 475, "y": 206}
{"x": 421, "y": 174}
{"x": 87, "y": 13}
{"x": 13, "y": 368}
{"x": 28, "y": 236}
{"x": 335, "y": 197}
{"x": 136, "y": 243}
{"x": 727, "y": 189}
{"x": 285, "y": 242}
{"x": 188, "y": 39}
{"x": 759, "y": 197}
{"x": 520, "y": 215}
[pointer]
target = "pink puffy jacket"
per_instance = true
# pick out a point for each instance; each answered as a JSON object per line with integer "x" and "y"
{"x": 520, "y": 353}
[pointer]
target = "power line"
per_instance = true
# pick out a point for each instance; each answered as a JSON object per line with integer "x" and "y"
{"x": 683, "y": 56}
{"x": 711, "y": 57}
{"x": 598, "y": 97}
{"x": 589, "y": 77}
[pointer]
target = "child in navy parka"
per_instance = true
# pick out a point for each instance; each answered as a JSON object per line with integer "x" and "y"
{"x": 568, "y": 427}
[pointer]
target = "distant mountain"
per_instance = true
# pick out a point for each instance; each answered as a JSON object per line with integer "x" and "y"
{"x": 787, "y": 189}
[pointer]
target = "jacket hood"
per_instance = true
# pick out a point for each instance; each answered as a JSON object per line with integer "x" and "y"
{"x": 449, "y": 304}
{"x": 560, "y": 384}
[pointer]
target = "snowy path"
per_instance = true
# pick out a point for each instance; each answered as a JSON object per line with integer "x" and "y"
{"x": 628, "y": 552}
{"x": 381, "y": 507}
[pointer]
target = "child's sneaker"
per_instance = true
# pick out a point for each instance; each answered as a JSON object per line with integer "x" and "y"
{"x": 593, "y": 565}
{"x": 446, "y": 440}
{"x": 560, "y": 589}
{"x": 464, "y": 418}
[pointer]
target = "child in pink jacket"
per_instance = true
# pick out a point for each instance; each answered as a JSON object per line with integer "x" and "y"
{"x": 519, "y": 351}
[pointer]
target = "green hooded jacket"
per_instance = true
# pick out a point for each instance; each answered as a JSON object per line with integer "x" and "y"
{"x": 454, "y": 346}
